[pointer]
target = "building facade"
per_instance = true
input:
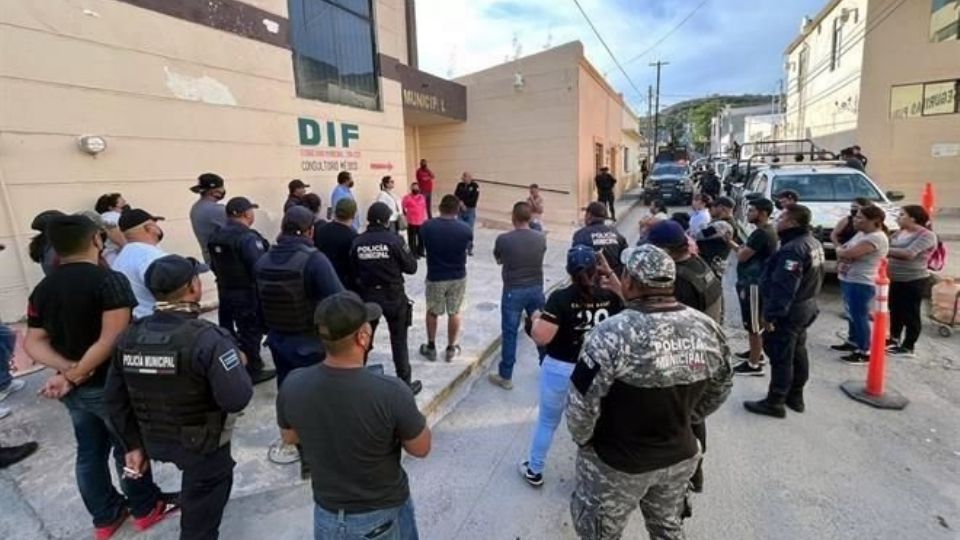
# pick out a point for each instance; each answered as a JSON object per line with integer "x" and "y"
{"x": 883, "y": 74}
{"x": 730, "y": 126}
{"x": 258, "y": 91}
{"x": 550, "y": 119}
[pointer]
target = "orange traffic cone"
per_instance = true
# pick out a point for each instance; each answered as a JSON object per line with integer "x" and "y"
{"x": 927, "y": 199}
{"x": 873, "y": 392}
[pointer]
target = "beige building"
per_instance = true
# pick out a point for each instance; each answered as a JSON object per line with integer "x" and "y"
{"x": 550, "y": 119}
{"x": 883, "y": 74}
{"x": 258, "y": 91}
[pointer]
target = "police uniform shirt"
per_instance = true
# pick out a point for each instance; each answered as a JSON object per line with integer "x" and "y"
{"x": 643, "y": 377}
{"x": 252, "y": 244}
{"x": 380, "y": 258}
{"x": 792, "y": 277}
{"x": 574, "y": 316}
{"x": 216, "y": 358}
{"x": 602, "y": 237}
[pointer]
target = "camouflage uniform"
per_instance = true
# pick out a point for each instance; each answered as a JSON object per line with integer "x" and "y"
{"x": 667, "y": 359}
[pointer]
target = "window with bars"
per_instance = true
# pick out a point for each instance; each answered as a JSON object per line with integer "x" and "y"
{"x": 334, "y": 52}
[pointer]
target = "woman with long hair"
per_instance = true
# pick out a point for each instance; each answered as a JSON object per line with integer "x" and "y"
{"x": 386, "y": 197}
{"x": 910, "y": 248}
{"x": 857, "y": 266}
{"x": 566, "y": 318}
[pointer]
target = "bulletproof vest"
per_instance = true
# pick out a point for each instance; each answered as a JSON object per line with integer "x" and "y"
{"x": 172, "y": 404}
{"x": 282, "y": 291}
{"x": 225, "y": 258}
{"x": 707, "y": 286}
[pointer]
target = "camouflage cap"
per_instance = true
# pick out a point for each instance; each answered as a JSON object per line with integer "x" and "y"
{"x": 649, "y": 265}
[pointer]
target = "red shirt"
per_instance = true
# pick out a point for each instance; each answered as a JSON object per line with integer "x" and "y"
{"x": 415, "y": 208}
{"x": 425, "y": 180}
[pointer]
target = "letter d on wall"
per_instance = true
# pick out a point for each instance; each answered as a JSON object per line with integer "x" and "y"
{"x": 309, "y": 131}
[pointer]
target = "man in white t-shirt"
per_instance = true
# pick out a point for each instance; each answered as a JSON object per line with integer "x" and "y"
{"x": 143, "y": 234}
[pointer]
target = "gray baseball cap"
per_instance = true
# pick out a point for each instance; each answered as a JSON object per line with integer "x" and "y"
{"x": 650, "y": 266}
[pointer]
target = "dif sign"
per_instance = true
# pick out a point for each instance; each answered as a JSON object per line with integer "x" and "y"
{"x": 313, "y": 133}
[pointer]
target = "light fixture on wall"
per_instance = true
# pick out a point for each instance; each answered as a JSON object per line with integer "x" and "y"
{"x": 92, "y": 144}
{"x": 518, "y": 82}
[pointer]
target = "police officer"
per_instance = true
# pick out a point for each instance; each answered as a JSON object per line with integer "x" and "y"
{"x": 174, "y": 387}
{"x": 234, "y": 250}
{"x": 292, "y": 278}
{"x": 643, "y": 376}
{"x": 380, "y": 258}
{"x": 789, "y": 288}
{"x": 600, "y": 236}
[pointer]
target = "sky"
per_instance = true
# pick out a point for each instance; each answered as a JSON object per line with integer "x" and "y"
{"x": 726, "y": 46}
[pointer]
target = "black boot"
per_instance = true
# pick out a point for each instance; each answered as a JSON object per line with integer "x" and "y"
{"x": 766, "y": 407}
{"x": 14, "y": 454}
{"x": 795, "y": 402}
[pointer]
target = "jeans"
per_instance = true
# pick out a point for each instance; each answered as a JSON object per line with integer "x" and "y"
{"x": 397, "y": 523}
{"x": 8, "y": 343}
{"x": 857, "y": 298}
{"x": 554, "y": 383}
{"x": 906, "y": 297}
{"x": 469, "y": 216}
{"x": 512, "y": 304}
{"x": 95, "y": 439}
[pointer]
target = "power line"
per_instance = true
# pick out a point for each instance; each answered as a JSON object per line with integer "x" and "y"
{"x": 610, "y": 52}
{"x": 668, "y": 34}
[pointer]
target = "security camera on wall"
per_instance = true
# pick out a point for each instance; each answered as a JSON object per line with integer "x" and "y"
{"x": 518, "y": 81}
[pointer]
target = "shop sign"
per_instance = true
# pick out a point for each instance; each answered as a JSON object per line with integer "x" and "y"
{"x": 324, "y": 147}
{"x": 424, "y": 102}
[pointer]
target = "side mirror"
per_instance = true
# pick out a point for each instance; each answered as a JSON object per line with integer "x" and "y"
{"x": 895, "y": 195}
{"x": 753, "y": 195}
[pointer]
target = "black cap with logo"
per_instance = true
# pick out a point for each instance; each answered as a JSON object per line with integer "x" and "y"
{"x": 134, "y": 218}
{"x": 171, "y": 272}
{"x": 207, "y": 181}
{"x": 238, "y": 205}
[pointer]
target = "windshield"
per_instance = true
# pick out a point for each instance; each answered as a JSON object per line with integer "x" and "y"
{"x": 827, "y": 187}
{"x": 670, "y": 170}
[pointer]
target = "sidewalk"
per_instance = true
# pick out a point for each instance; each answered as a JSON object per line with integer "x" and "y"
{"x": 44, "y": 499}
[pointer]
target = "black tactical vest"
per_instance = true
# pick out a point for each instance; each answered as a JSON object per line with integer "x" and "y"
{"x": 172, "y": 404}
{"x": 226, "y": 260}
{"x": 282, "y": 291}
{"x": 708, "y": 287}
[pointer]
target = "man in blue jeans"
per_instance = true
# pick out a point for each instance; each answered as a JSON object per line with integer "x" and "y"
{"x": 468, "y": 191}
{"x": 74, "y": 317}
{"x": 520, "y": 253}
{"x": 351, "y": 423}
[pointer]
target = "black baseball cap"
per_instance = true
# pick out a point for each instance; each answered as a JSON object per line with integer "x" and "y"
{"x": 297, "y": 219}
{"x": 597, "y": 209}
{"x": 379, "y": 213}
{"x": 295, "y": 184}
{"x": 43, "y": 219}
{"x": 724, "y": 201}
{"x": 342, "y": 314}
{"x": 135, "y": 217}
{"x": 207, "y": 181}
{"x": 238, "y": 205}
{"x": 167, "y": 274}
{"x": 788, "y": 194}
{"x": 667, "y": 234}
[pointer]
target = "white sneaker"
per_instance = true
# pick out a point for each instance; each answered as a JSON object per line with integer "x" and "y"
{"x": 4, "y": 412}
{"x": 15, "y": 386}
{"x": 283, "y": 454}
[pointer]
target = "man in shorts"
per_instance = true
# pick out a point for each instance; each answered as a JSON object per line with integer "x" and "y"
{"x": 751, "y": 260}
{"x": 446, "y": 240}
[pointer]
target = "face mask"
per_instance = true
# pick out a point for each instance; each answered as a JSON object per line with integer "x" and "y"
{"x": 778, "y": 205}
{"x": 219, "y": 195}
{"x": 159, "y": 234}
{"x": 415, "y": 190}
{"x": 350, "y": 184}
{"x": 853, "y": 212}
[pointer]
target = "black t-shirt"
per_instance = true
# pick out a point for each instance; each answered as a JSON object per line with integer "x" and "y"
{"x": 763, "y": 241}
{"x": 69, "y": 305}
{"x": 351, "y": 423}
{"x": 334, "y": 240}
{"x": 575, "y": 317}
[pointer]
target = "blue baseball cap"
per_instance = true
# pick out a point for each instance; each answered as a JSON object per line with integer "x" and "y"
{"x": 667, "y": 233}
{"x": 580, "y": 258}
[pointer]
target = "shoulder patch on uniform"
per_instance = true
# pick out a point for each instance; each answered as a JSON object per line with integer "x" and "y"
{"x": 791, "y": 265}
{"x": 229, "y": 359}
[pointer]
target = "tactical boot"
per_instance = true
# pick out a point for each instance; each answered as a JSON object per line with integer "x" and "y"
{"x": 766, "y": 407}
{"x": 795, "y": 402}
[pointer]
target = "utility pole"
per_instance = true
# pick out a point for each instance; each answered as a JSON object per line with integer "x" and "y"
{"x": 656, "y": 112}
{"x": 650, "y": 137}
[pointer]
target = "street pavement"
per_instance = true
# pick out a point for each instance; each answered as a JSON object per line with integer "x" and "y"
{"x": 841, "y": 470}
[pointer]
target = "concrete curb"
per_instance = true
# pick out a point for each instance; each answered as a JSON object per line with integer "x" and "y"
{"x": 450, "y": 395}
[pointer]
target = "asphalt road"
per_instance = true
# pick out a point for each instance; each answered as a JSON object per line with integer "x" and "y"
{"x": 840, "y": 470}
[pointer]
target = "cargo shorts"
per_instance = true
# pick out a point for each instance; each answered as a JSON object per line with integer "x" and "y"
{"x": 445, "y": 297}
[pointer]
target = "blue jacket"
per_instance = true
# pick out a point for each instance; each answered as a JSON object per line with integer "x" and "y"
{"x": 793, "y": 276}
